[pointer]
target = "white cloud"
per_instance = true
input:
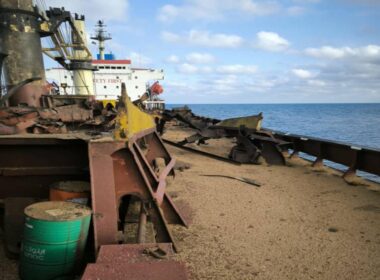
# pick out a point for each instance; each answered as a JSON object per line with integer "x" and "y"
{"x": 200, "y": 58}
{"x": 328, "y": 52}
{"x": 110, "y": 10}
{"x": 337, "y": 81}
{"x": 302, "y": 73}
{"x": 271, "y": 41}
{"x": 317, "y": 83}
{"x": 350, "y": 72}
{"x": 168, "y": 12}
{"x": 237, "y": 69}
{"x": 204, "y": 38}
{"x": 296, "y": 10}
{"x": 173, "y": 59}
{"x": 212, "y": 10}
{"x": 206, "y": 69}
{"x": 256, "y": 8}
{"x": 171, "y": 37}
{"x": 233, "y": 69}
{"x": 140, "y": 59}
{"x": 306, "y": 1}
{"x": 369, "y": 53}
{"x": 187, "y": 68}
{"x": 226, "y": 85}
{"x": 362, "y": 2}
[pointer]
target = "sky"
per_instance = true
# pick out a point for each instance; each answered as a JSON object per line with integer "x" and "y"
{"x": 247, "y": 51}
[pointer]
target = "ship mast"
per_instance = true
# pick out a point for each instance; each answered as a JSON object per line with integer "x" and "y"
{"x": 101, "y": 36}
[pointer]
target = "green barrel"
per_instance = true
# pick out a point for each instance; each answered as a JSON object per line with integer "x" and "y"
{"x": 55, "y": 234}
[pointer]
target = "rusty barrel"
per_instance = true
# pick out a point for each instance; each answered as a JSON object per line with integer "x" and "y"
{"x": 55, "y": 234}
{"x": 72, "y": 191}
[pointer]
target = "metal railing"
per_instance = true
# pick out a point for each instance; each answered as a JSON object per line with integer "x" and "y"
{"x": 355, "y": 157}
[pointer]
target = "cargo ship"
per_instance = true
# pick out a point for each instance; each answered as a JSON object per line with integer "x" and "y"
{"x": 87, "y": 191}
{"x": 109, "y": 73}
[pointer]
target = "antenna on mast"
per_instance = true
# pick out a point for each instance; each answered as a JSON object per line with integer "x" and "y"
{"x": 101, "y": 35}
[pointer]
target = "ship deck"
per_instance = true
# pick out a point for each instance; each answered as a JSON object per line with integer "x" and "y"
{"x": 302, "y": 223}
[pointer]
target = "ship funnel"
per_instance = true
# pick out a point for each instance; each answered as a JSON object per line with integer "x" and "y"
{"x": 20, "y": 40}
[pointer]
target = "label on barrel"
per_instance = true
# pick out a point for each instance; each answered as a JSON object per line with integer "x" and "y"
{"x": 29, "y": 226}
{"x": 34, "y": 253}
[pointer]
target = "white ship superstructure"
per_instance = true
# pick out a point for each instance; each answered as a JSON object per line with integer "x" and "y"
{"x": 108, "y": 74}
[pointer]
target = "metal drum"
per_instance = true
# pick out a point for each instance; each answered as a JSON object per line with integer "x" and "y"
{"x": 73, "y": 191}
{"x": 55, "y": 234}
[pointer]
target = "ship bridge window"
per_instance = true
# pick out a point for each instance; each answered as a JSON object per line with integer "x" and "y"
{"x": 113, "y": 67}
{"x": 119, "y": 67}
{"x": 101, "y": 67}
{"x": 124, "y": 67}
{"x": 107, "y": 67}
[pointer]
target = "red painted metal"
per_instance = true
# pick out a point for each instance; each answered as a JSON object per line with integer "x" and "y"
{"x": 30, "y": 164}
{"x": 100, "y": 61}
{"x": 136, "y": 261}
{"x": 118, "y": 170}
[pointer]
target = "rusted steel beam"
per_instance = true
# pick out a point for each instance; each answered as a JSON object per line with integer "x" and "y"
{"x": 200, "y": 152}
{"x": 141, "y": 231}
{"x": 41, "y": 170}
{"x": 155, "y": 149}
{"x": 119, "y": 169}
{"x": 28, "y": 165}
{"x": 160, "y": 190}
{"x": 353, "y": 156}
{"x": 136, "y": 261}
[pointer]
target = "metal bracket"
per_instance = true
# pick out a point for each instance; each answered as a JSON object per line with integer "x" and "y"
{"x": 119, "y": 169}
